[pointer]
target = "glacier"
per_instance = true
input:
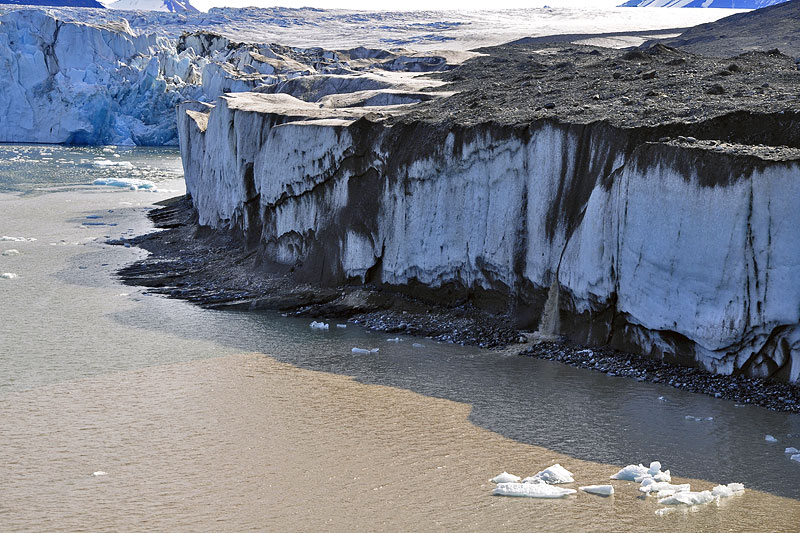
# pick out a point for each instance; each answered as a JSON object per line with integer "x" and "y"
{"x": 669, "y": 248}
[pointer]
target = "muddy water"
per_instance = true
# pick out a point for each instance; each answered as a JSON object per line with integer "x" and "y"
{"x": 207, "y": 421}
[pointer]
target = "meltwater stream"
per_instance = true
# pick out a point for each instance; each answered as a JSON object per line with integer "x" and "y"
{"x": 67, "y": 318}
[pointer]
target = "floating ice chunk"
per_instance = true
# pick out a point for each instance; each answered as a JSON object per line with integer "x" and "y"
{"x": 104, "y": 163}
{"x": 601, "y": 490}
{"x": 791, "y": 449}
{"x": 770, "y": 438}
{"x": 505, "y": 477}
{"x": 795, "y": 457}
{"x": 649, "y": 485}
{"x": 699, "y": 418}
{"x": 531, "y": 490}
{"x": 662, "y": 399}
{"x": 133, "y": 184}
{"x": 726, "y": 491}
{"x": 16, "y": 239}
{"x": 688, "y": 498}
{"x": 631, "y": 472}
{"x": 8, "y": 275}
{"x": 99, "y": 473}
{"x": 319, "y": 325}
{"x": 417, "y": 345}
{"x": 11, "y": 252}
{"x": 341, "y": 326}
{"x": 396, "y": 339}
{"x": 364, "y": 350}
{"x": 374, "y": 350}
{"x": 553, "y": 475}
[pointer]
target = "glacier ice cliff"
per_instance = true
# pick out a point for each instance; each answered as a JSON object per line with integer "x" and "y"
{"x": 673, "y": 248}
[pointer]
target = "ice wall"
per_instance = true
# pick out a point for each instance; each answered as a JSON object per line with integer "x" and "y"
{"x": 682, "y": 252}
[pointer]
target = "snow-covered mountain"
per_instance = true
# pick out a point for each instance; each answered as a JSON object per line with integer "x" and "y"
{"x": 729, "y": 4}
{"x": 172, "y": 6}
{"x": 54, "y": 3}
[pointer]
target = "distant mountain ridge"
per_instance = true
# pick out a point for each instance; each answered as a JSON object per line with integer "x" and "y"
{"x": 171, "y": 6}
{"x": 727, "y": 4}
{"x": 54, "y": 3}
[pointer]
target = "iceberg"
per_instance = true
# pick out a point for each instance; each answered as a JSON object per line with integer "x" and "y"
{"x": 133, "y": 184}
{"x": 600, "y": 490}
{"x": 552, "y": 475}
{"x": 531, "y": 490}
{"x": 505, "y": 477}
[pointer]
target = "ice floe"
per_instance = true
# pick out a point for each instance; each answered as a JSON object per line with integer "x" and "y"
{"x": 770, "y": 438}
{"x": 102, "y": 163}
{"x": 16, "y": 239}
{"x": 364, "y": 350}
{"x": 505, "y": 477}
{"x": 600, "y": 490}
{"x": 703, "y": 497}
{"x": 129, "y": 183}
{"x": 10, "y": 252}
{"x": 699, "y": 418}
{"x": 795, "y": 457}
{"x": 649, "y": 485}
{"x": 319, "y": 325}
{"x": 552, "y": 475}
{"x": 639, "y": 473}
{"x": 99, "y": 473}
{"x": 8, "y": 275}
{"x": 531, "y": 490}
{"x": 791, "y": 449}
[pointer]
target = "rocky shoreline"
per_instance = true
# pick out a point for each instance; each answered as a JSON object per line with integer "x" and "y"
{"x": 185, "y": 262}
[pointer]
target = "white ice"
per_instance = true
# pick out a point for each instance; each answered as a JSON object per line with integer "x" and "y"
{"x": 99, "y": 473}
{"x": 531, "y": 490}
{"x": 552, "y": 475}
{"x": 8, "y": 275}
{"x": 364, "y": 350}
{"x": 795, "y": 457}
{"x": 319, "y": 325}
{"x": 791, "y": 449}
{"x": 396, "y": 339}
{"x": 128, "y": 183}
{"x": 601, "y": 490}
{"x": 704, "y": 497}
{"x": 639, "y": 472}
{"x": 699, "y": 418}
{"x": 770, "y": 438}
{"x": 11, "y": 252}
{"x": 417, "y": 345}
{"x": 16, "y": 239}
{"x": 649, "y": 485}
{"x": 341, "y": 326}
{"x": 104, "y": 163}
{"x": 505, "y": 477}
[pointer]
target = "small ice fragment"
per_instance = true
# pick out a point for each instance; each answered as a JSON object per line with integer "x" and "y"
{"x": 396, "y": 339}
{"x": 8, "y": 275}
{"x": 552, "y": 475}
{"x": 795, "y": 457}
{"x": 108, "y": 163}
{"x": 374, "y": 350}
{"x": 661, "y": 398}
{"x": 360, "y": 351}
{"x": 791, "y": 449}
{"x": 16, "y": 239}
{"x": 417, "y": 345}
{"x": 341, "y": 326}
{"x": 531, "y": 490}
{"x": 11, "y": 252}
{"x": 648, "y": 485}
{"x": 655, "y": 468}
{"x": 631, "y": 472}
{"x": 726, "y": 491}
{"x": 664, "y": 510}
{"x": 601, "y": 490}
{"x": 770, "y": 438}
{"x": 319, "y": 325}
{"x": 688, "y": 498}
{"x": 505, "y": 477}
{"x": 99, "y": 473}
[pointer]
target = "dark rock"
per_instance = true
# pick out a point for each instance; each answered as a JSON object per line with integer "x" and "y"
{"x": 715, "y": 89}
{"x": 649, "y": 75}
